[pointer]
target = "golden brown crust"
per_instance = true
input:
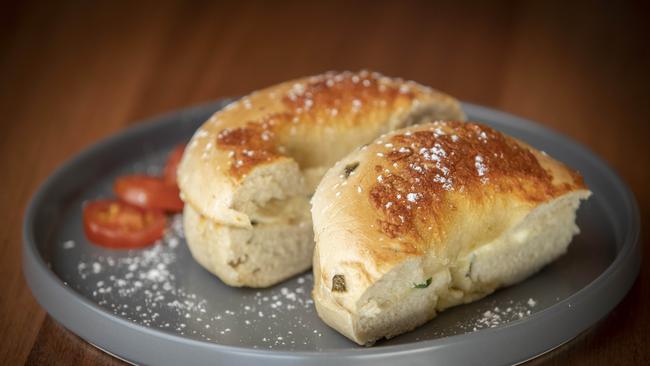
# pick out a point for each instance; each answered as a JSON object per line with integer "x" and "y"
{"x": 249, "y": 145}
{"x": 420, "y": 168}
{"x": 332, "y": 99}
{"x": 328, "y": 95}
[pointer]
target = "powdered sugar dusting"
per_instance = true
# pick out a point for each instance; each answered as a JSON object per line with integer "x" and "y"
{"x": 424, "y": 164}
{"x": 481, "y": 169}
{"x": 488, "y": 313}
{"x": 498, "y": 315}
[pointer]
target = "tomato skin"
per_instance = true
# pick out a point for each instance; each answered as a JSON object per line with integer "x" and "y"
{"x": 116, "y": 224}
{"x": 148, "y": 192}
{"x": 172, "y": 164}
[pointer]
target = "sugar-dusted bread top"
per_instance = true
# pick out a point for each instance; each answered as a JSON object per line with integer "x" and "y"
{"x": 304, "y": 125}
{"x": 438, "y": 190}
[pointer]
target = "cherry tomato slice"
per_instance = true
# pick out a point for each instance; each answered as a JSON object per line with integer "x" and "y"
{"x": 148, "y": 192}
{"x": 172, "y": 164}
{"x": 116, "y": 224}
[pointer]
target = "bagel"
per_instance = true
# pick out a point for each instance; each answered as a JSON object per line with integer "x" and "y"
{"x": 433, "y": 216}
{"x": 248, "y": 173}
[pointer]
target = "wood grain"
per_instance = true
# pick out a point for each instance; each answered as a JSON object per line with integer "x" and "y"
{"x": 74, "y": 72}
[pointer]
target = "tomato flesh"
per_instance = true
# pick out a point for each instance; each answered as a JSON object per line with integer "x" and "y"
{"x": 172, "y": 164}
{"x": 148, "y": 192}
{"x": 116, "y": 224}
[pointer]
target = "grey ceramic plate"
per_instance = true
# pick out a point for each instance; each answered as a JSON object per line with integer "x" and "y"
{"x": 157, "y": 306}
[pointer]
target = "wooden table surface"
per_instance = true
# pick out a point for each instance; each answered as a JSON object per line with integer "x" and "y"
{"x": 74, "y": 72}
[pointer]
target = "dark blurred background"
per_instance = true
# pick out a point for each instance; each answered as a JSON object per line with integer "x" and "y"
{"x": 72, "y": 72}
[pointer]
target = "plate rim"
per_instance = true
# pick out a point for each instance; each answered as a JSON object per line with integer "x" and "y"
{"x": 39, "y": 276}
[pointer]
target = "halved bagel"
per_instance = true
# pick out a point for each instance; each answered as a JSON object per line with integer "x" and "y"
{"x": 248, "y": 173}
{"x": 433, "y": 216}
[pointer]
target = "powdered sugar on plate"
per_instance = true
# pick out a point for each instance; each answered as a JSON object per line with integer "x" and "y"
{"x": 143, "y": 287}
{"x": 499, "y": 315}
{"x": 488, "y": 313}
